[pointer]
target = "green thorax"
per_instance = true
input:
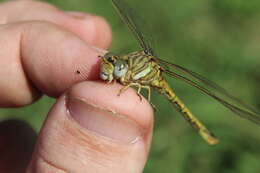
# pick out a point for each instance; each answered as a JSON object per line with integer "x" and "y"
{"x": 142, "y": 68}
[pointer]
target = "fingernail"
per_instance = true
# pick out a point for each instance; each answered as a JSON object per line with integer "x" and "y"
{"x": 103, "y": 122}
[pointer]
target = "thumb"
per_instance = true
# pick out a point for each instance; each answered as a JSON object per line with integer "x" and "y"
{"x": 91, "y": 129}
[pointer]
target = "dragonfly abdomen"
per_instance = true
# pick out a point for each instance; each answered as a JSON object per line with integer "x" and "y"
{"x": 164, "y": 89}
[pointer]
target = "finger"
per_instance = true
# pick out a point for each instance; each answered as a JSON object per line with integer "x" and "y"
{"x": 39, "y": 57}
{"x": 92, "y": 29}
{"x": 17, "y": 140}
{"x": 92, "y": 130}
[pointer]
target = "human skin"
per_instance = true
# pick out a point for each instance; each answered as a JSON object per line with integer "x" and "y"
{"x": 89, "y": 129}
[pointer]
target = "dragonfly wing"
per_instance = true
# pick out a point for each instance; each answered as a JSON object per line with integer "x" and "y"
{"x": 207, "y": 83}
{"x": 135, "y": 24}
{"x": 243, "y": 112}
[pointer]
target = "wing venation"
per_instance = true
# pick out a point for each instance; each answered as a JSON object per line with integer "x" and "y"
{"x": 130, "y": 19}
{"x": 244, "y": 113}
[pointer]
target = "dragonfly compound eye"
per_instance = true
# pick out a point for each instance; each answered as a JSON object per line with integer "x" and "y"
{"x": 120, "y": 69}
{"x": 106, "y": 71}
{"x": 110, "y": 59}
{"x": 104, "y": 76}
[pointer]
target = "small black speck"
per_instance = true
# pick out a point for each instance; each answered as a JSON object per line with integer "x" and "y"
{"x": 78, "y": 72}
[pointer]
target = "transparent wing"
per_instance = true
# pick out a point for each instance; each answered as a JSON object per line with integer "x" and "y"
{"x": 244, "y": 111}
{"x": 207, "y": 82}
{"x": 135, "y": 24}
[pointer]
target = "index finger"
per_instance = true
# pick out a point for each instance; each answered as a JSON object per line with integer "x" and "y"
{"x": 40, "y": 57}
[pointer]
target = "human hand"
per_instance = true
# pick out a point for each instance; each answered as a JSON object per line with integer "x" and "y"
{"x": 90, "y": 128}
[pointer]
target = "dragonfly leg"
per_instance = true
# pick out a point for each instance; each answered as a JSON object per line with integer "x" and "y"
{"x": 123, "y": 89}
{"x": 139, "y": 86}
{"x": 149, "y": 92}
{"x": 144, "y": 87}
{"x": 149, "y": 95}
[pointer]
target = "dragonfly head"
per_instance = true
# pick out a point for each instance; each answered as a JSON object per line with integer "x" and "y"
{"x": 112, "y": 67}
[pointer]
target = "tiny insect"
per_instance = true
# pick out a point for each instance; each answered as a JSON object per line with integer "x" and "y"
{"x": 144, "y": 70}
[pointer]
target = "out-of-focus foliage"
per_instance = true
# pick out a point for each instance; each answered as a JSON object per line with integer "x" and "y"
{"x": 219, "y": 39}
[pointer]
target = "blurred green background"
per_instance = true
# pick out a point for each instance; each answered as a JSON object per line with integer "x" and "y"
{"x": 219, "y": 39}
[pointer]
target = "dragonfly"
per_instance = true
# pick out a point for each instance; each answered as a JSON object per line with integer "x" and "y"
{"x": 144, "y": 70}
